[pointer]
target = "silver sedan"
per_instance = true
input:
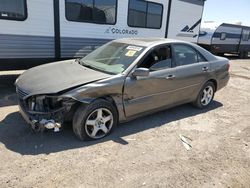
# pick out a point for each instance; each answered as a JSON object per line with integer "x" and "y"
{"x": 120, "y": 81}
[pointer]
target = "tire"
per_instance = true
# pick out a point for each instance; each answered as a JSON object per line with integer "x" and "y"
{"x": 220, "y": 54}
{"x": 102, "y": 117}
{"x": 203, "y": 101}
{"x": 243, "y": 55}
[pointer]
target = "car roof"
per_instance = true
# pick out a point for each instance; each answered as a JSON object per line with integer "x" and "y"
{"x": 146, "y": 42}
{"x": 151, "y": 42}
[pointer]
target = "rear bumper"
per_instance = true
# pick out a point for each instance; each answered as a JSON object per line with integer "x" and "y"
{"x": 223, "y": 82}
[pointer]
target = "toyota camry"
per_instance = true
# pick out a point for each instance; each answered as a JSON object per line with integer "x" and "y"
{"x": 119, "y": 81}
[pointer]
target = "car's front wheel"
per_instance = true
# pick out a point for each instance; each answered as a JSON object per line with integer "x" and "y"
{"x": 205, "y": 96}
{"x": 95, "y": 120}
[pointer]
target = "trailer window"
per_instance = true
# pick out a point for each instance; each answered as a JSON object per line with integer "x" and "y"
{"x": 223, "y": 36}
{"x": 92, "y": 11}
{"x": 202, "y": 33}
{"x": 154, "y": 15}
{"x": 145, "y": 14}
{"x": 13, "y": 10}
{"x": 245, "y": 35}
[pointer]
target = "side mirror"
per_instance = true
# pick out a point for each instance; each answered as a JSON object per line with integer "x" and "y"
{"x": 144, "y": 72}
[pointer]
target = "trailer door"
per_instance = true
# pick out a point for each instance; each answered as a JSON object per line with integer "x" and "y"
{"x": 244, "y": 45}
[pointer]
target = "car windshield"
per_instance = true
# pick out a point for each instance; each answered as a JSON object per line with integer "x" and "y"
{"x": 113, "y": 57}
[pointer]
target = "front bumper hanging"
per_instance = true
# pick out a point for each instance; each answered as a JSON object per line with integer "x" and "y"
{"x": 39, "y": 121}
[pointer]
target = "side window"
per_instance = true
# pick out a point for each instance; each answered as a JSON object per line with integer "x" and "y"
{"x": 93, "y": 11}
{"x": 159, "y": 59}
{"x": 137, "y": 13}
{"x": 245, "y": 35}
{"x": 154, "y": 15}
{"x": 202, "y": 33}
{"x": 201, "y": 58}
{"x": 145, "y": 14}
{"x": 185, "y": 55}
{"x": 223, "y": 36}
{"x": 13, "y": 10}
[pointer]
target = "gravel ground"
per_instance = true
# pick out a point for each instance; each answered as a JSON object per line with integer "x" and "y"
{"x": 146, "y": 152}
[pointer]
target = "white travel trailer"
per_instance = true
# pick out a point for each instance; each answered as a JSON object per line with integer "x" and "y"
{"x": 38, "y": 31}
{"x": 221, "y": 38}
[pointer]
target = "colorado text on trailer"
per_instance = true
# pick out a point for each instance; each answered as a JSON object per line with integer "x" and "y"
{"x": 39, "y": 31}
{"x": 222, "y": 38}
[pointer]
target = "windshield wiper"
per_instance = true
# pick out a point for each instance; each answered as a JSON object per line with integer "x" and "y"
{"x": 87, "y": 65}
{"x": 78, "y": 60}
{"x": 84, "y": 64}
{"x": 81, "y": 62}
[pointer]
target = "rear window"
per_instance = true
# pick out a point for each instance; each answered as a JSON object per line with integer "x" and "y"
{"x": 13, "y": 10}
{"x": 186, "y": 55}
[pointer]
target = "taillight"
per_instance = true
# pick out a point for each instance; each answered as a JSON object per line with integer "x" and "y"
{"x": 228, "y": 66}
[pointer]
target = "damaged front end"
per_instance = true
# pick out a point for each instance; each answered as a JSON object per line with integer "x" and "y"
{"x": 45, "y": 111}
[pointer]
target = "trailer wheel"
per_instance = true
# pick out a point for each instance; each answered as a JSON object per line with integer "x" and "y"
{"x": 220, "y": 54}
{"x": 243, "y": 55}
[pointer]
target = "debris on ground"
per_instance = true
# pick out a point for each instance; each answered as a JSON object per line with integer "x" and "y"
{"x": 185, "y": 142}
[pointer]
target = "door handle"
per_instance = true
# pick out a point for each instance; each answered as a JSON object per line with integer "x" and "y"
{"x": 170, "y": 77}
{"x": 205, "y": 69}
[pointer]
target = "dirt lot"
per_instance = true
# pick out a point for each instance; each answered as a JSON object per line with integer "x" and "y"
{"x": 146, "y": 152}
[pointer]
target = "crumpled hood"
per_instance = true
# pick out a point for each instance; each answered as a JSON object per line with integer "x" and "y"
{"x": 56, "y": 77}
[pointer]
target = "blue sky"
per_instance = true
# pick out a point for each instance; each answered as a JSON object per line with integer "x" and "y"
{"x": 227, "y": 11}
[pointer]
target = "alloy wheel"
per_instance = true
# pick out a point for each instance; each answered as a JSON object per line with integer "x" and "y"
{"x": 207, "y": 95}
{"x": 99, "y": 123}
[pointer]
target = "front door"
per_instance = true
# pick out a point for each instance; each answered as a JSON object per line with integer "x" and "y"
{"x": 143, "y": 94}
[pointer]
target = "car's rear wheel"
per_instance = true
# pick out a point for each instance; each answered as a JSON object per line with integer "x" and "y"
{"x": 205, "y": 96}
{"x": 95, "y": 120}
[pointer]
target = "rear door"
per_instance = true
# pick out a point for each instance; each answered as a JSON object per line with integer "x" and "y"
{"x": 192, "y": 71}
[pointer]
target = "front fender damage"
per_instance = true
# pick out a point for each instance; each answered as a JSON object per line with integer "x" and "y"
{"x": 108, "y": 89}
{"x": 52, "y": 110}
